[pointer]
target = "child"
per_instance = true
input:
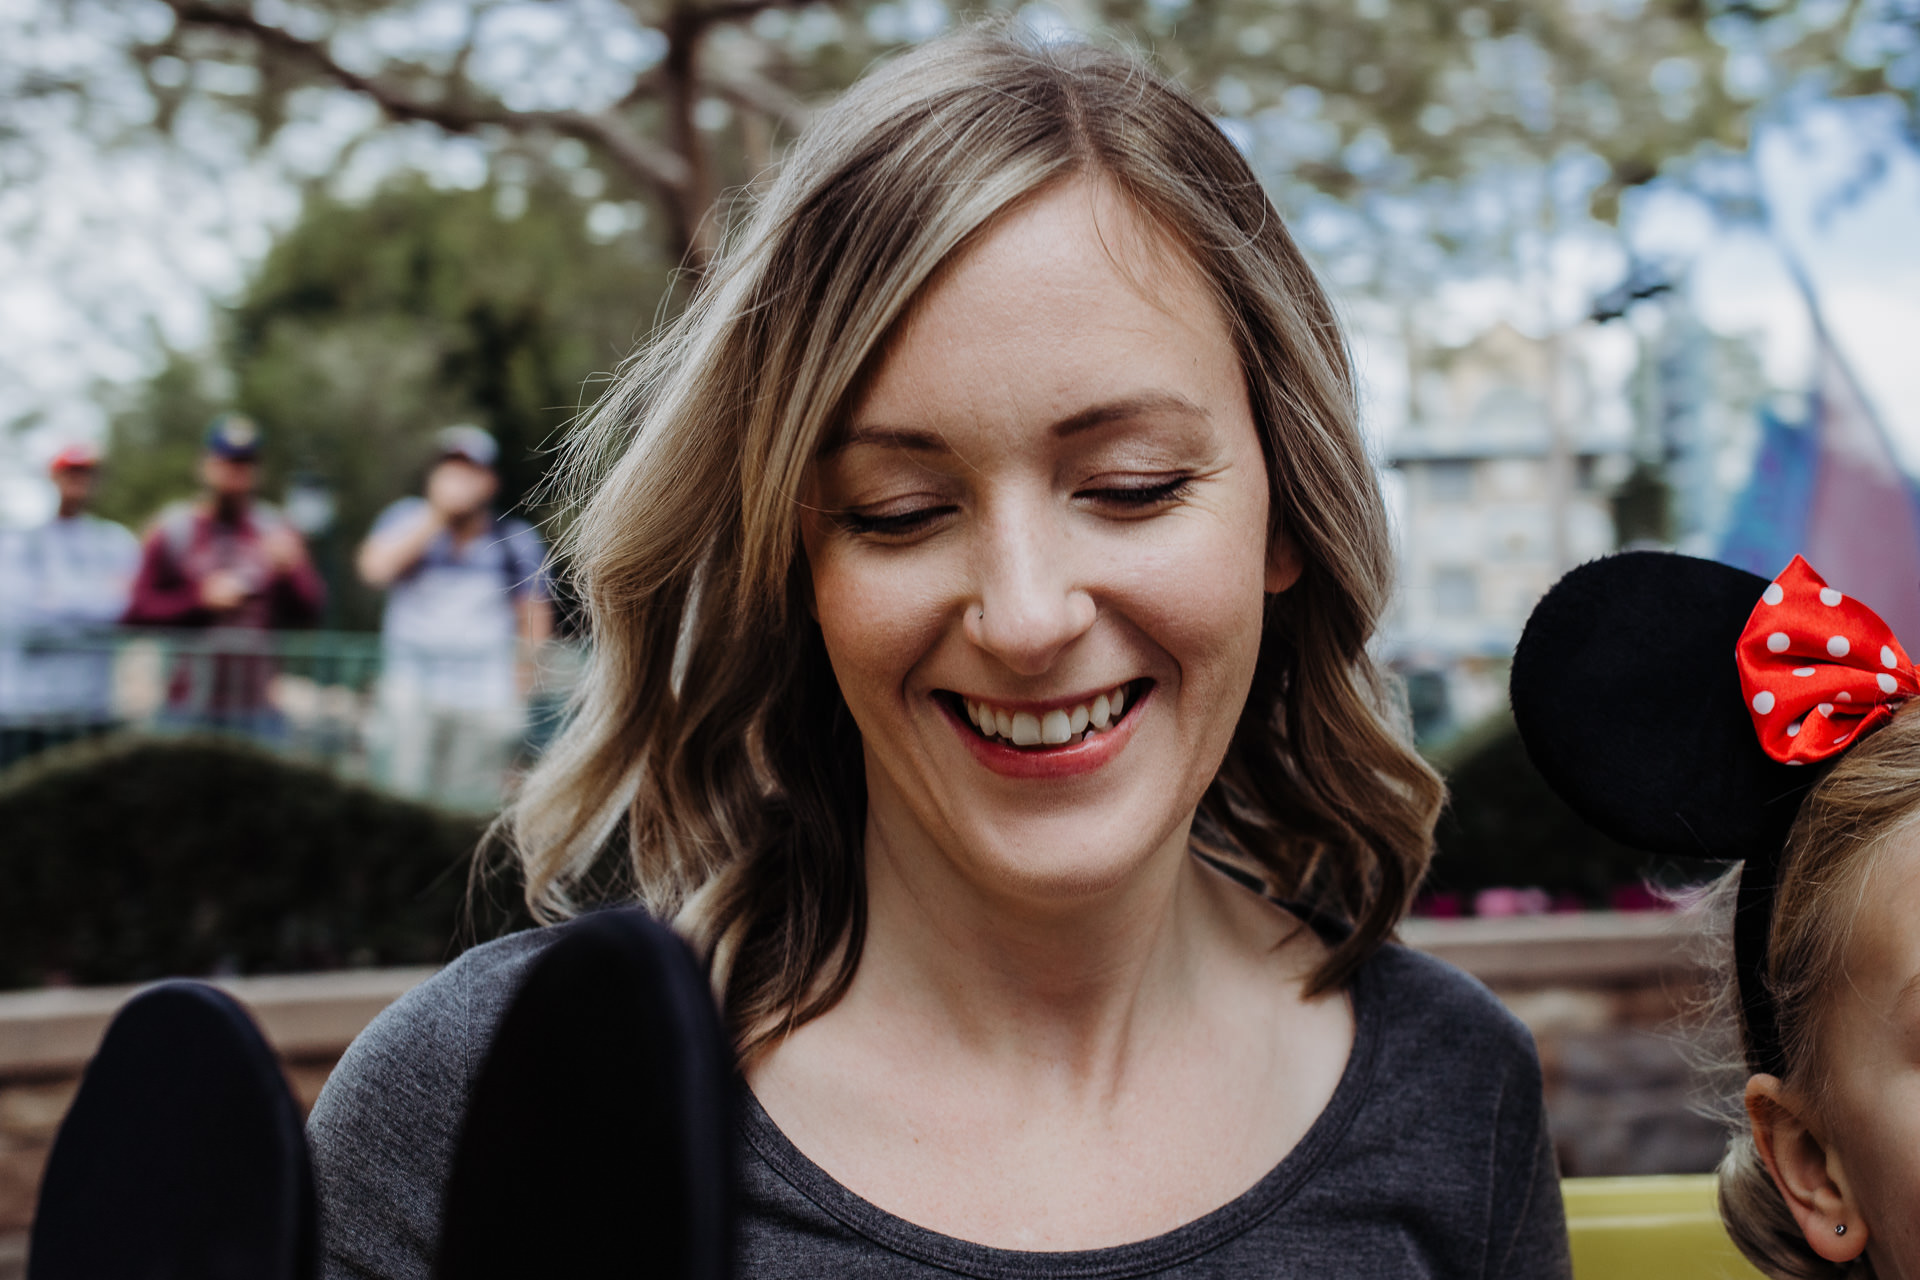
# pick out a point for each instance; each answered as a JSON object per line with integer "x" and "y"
{"x": 1690, "y": 708}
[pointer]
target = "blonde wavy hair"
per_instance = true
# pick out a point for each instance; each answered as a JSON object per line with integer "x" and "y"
{"x": 711, "y": 751}
{"x": 1871, "y": 795}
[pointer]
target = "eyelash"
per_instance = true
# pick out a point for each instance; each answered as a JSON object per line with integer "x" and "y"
{"x": 1147, "y": 495}
{"x": 1132, "y": 497}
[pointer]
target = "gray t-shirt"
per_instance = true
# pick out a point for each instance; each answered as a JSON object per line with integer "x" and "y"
{"x": 1431, "y": 1159}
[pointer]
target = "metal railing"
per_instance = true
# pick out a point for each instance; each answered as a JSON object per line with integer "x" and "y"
{"x": 448, "y": 728}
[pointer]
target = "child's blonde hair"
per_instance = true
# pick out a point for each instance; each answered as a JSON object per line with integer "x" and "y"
{"x": 1871, "y": 795}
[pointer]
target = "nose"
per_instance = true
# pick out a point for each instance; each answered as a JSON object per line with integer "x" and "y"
{"x": 1029, "y": 604}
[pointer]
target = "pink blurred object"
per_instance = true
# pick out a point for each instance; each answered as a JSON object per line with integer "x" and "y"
{"x": 1446, "y": 904}
{"x": 1501, "y": 902}
{"x": 1638, "y": 897}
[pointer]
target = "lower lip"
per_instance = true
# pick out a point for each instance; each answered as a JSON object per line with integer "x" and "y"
{"x": 1069, "y": 761}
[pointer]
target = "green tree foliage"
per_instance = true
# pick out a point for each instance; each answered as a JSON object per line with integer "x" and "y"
{"x": 156, "y": 442}
{"x": 371, "y": 325}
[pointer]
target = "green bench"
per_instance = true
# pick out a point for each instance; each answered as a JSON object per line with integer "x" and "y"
{"x": 1663, "y": 1228}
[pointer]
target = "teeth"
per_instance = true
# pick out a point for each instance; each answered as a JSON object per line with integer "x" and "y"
{"x": 1053, "y": 728}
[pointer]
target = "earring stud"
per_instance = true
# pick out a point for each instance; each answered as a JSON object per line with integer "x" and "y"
{"x": 1839, "y": 1228}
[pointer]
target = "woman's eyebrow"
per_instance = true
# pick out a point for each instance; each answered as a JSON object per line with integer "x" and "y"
{"x": 1138, "y": 405}
{"x": 911, "y": 439}
{"x": 918, "y": 440}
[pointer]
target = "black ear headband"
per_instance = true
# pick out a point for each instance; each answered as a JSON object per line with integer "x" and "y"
{"x": 1626, "y": 694}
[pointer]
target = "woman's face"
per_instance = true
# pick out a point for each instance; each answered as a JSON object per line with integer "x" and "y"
{"x": 1040, "y": 553}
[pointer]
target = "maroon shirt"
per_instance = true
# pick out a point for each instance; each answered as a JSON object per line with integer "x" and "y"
{"x": 184, "y": 548}
{"x": 187, "y": 545}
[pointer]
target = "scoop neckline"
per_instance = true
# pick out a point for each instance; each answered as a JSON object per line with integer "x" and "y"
{"x": 1112, "y": 1262}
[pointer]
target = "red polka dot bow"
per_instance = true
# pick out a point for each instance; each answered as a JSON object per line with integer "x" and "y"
{"x": 1819, "y": 670}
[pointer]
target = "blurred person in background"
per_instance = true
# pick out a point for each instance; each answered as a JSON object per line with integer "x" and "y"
{"x": 225, "y": 560}
{"x": 467, "y": 608}
{"x": 63, "y": 585}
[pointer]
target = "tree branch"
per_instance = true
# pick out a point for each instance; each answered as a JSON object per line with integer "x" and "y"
{"x": 740, "y": 10}
{"x": 754, "y": 91}
{"x": 647, "y": 162}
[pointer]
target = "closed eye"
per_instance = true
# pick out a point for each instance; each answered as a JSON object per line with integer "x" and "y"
{"x": 1140, "y": 496}
{"x": 892, "y": 524}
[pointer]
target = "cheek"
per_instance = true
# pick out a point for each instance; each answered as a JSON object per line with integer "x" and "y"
{"x": 1203, "y": 600}
{"x": 878, "y": 615}
{"x": 1873, "y": 1106}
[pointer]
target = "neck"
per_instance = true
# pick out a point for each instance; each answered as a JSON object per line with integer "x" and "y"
{"x": 69, "y": 508}
{"x": 1066, "y": 983}
{"x": 230, "y": 508}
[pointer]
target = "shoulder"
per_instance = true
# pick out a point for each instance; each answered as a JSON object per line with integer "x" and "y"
{"x": 1452, "y": 1131}
{"x": 515, "y": 527}
{"x": 264, "y": 517}
{"x": 110, "y": 533}
{"x": 176, "y": 517}
{"x": 518, "y": 534}
{"x": 399, "y": 511}
{"x": 1429, "y": 1008}
{"x": 438, "y": 1030}
{"x": 384, "y": 1128}
{"x": 176, "y": 525}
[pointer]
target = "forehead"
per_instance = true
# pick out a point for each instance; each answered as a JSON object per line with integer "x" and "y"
{"x": 1883, "y": 949}
{"x": 1071, "y": 299}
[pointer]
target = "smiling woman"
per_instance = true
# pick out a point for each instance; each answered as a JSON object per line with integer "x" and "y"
{"x": 981, "y": 573}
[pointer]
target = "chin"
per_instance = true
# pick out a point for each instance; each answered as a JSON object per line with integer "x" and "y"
{"x": 1042, "y": 865}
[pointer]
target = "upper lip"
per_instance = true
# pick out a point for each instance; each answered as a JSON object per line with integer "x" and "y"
{"x": 1040, "y": 708}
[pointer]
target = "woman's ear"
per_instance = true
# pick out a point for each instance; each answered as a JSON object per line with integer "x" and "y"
{"x": 1806, "y": 1170}
{"x": 1284, "y": 563}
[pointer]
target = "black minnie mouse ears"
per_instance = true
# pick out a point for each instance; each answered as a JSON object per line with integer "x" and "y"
{"x": 1627, "y": 697}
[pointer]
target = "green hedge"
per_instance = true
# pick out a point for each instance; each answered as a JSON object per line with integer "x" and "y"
{"x": 129, "y": 859}
{"x": 123, "y": 860}
{"x": 1504, "y": 827}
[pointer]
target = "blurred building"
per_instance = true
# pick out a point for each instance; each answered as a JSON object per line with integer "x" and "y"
{"x": 1698, "y": 395}
{"x": 1505, "y": 473}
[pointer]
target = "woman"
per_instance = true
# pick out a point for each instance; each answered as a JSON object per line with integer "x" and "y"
{"x": 980, "y": 581}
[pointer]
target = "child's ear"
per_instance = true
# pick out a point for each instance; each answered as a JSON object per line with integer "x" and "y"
{"x": 1284, "y": 563}
{"x": 1806, "y": 1170}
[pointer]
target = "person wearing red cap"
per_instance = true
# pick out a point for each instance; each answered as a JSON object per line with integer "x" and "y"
{"x": 63, "y": 584}
{"x": 225, "y": 560}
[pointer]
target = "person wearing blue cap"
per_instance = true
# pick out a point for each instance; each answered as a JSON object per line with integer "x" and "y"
{"x": 467, "y": 606}
{"x": 225, "y": 560}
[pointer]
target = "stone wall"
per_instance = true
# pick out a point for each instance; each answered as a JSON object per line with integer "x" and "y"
{"x": 1607, "y": 998}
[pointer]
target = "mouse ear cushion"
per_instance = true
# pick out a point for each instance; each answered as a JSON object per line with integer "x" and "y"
{"x": 1626, "y": 694}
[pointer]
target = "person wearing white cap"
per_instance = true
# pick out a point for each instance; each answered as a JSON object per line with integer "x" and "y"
{"x": 467, "y": 603}
{"x": 62, "y": 585}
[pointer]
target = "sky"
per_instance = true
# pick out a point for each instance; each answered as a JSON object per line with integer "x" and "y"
{"x": 127, "y": 250}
